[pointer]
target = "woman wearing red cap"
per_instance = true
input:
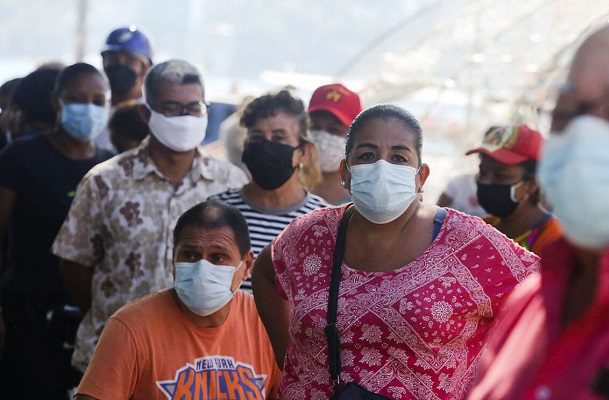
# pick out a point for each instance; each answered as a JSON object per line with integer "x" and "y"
{"x": 508, "y": 189}
{"x": 332, "y": 109}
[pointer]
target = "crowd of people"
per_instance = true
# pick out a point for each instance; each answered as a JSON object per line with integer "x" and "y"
{"x": 306, "y": 266}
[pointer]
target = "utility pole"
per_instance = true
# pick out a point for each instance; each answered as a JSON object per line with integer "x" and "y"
{"x": 81, "y": 29}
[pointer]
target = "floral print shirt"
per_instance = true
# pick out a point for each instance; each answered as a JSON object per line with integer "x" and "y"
{"x": 121, "y": 225}
{"x": 415, "y": 332}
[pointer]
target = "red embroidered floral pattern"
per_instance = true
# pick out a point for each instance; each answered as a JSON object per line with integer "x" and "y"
{"x": 415, "y": 332}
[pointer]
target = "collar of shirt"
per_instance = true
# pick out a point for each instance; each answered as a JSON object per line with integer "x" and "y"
{"x": 143, "y": 164}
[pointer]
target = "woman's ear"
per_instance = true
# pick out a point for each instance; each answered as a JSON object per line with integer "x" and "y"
{"x": 422, "y": 176}
{"x": 345, "y": 175}
{"x": 307, "y": 149}
{"x": 144, "y": 112}
{"x": 532, "y": 184}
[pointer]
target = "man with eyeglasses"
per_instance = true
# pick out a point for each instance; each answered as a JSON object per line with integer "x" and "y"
{"x": 116, "y": 243}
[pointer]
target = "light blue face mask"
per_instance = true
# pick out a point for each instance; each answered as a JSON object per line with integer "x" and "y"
{"x": 204, "y": 287}
{"x": 574, "y": 176}
{"x": 83, "y": 121}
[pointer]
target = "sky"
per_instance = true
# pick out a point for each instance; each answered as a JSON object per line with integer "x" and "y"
{"x": 458, "y": 65}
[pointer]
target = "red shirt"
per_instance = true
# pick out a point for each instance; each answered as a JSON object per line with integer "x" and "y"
{"x": 415, "y": 332}
{"x": 529, "y": 356}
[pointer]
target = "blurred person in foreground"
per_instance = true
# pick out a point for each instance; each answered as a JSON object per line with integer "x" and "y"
{"x": 552, "y": 339}
{"x": 115, "y": 243}
{"x": 201, "y": 339}
{"x": 127, "y": 128}
{"x": 419, "y": 285}
{"x": 282, "y": 160}
{"x": 126, "y": 57}
{"x": 508, "y": 189}
{"x": 331, "y": 110}
{"x": 38, "y": 177}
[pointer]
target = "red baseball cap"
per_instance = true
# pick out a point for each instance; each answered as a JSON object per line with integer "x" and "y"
{"x": 337, "y": 100}
{"x": 511, "y": 144}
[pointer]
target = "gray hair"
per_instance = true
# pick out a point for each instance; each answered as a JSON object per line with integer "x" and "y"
{"x": 173, "y": 71}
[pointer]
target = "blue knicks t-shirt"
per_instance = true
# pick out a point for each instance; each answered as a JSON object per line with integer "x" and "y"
{"x": 44, "y": 182}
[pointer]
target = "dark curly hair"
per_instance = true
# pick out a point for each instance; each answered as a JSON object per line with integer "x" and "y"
{"x": 272, "y": 103}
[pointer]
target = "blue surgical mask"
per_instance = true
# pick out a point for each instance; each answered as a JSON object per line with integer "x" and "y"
{"x": 574, "y": 176}
{"x": 83, "y": 121}
{"x": 382, "y": 191}
{"x": 204, "y": 287}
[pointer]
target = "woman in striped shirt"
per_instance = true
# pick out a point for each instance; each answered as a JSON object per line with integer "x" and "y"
{"x": 283, "y": 163}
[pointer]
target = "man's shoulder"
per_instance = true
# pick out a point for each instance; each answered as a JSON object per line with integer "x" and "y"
{"x": 115, "y": 170}
{"x": 146, "y": 309}
{"x": 113, "y": 166}
{"x": 223, "y": 170}
{"x": 244, "y": 312}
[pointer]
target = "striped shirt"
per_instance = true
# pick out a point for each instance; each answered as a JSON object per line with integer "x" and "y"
{"x": 265, "y": 225}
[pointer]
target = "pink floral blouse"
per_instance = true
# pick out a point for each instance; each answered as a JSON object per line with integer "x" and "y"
{"x": 412, "y": 333}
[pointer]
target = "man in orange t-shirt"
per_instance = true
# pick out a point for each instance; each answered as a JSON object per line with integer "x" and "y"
{"x": 201, "y": 339}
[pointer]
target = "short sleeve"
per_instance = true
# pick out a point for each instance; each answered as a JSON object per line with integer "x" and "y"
{"x": 236, "y": 178}
{"x": 82, "y": 236}
{"x": 114, "y": 369}
{"x": 11, "y": 168}
{"x": 279, "y": 265}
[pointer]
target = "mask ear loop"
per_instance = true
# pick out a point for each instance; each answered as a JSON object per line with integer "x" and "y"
{"x": 235, "y": 272}
{"x": 420, "y": 190}
{"x": 513, "y": 189}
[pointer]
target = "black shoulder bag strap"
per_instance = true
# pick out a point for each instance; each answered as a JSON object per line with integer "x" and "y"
{"x": 331, "y": 328}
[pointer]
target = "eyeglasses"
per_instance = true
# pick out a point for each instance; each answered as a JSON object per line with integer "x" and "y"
{"x": 175, "y": 109}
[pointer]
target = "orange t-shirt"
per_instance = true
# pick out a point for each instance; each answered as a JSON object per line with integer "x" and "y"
{"x": 150, "y": 350}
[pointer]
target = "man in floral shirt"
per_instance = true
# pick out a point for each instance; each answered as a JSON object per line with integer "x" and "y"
{"x": 116, "y": 242}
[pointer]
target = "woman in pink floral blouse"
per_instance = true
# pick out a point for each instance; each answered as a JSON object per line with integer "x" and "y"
{"x": 419, "y": 287}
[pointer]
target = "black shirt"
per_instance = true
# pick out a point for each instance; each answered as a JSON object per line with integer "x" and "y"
{"x": 44, "y": 181}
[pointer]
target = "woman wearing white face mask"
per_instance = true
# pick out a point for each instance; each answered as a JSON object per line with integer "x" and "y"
{"x": 418, "y": 285}
{"x": 38, "y": 177}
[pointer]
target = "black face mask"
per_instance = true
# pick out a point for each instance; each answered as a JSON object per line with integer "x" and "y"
{"x": 122, "y": 78}
{"x": 496, "y": 199}
{"x": 269, "y": 163}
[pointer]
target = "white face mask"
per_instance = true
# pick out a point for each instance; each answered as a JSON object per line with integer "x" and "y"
{"x": 182, "y": 133}
{"x": 204, "y": 287}
{"x": 382, "y": 191}
{"x": 574, "y": 175}
{"x": 331, "y": 149}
